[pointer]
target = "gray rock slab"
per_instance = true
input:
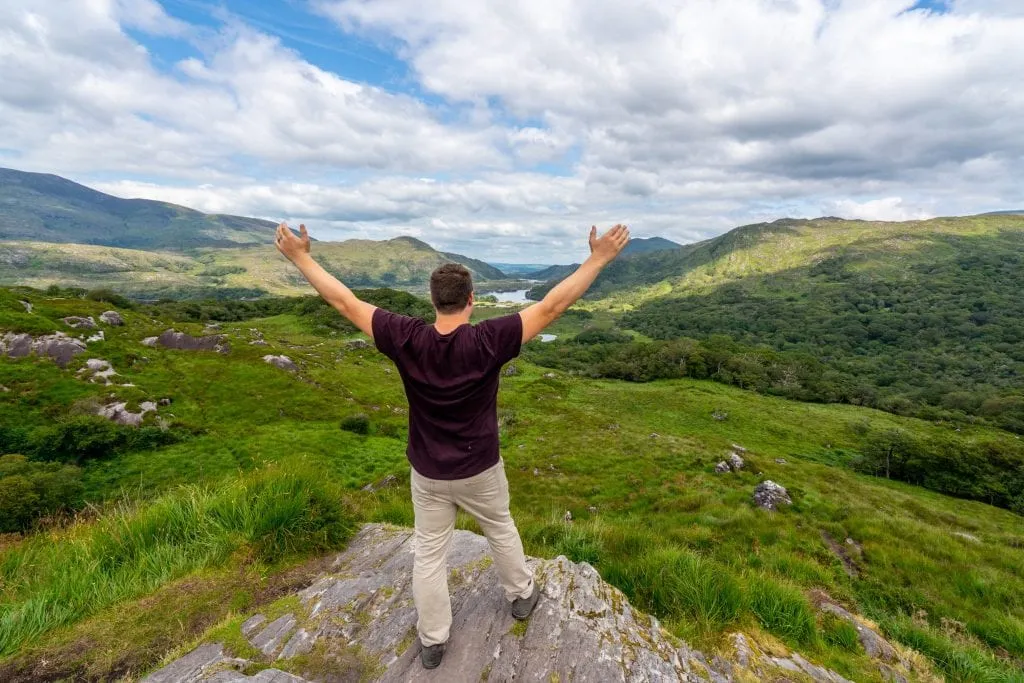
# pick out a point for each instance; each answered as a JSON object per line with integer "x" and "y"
{"x": 190, "y": 667}
{"x": 583, "y": 629}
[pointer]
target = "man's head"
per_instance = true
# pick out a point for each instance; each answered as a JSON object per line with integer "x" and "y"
{"x": 451, "y": 288}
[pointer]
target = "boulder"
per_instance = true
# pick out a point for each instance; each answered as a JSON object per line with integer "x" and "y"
{"x": 358, "y": 623}
{"x": 58, "y": 346}
{"x": 172, "y": 339}
{"x": 283, "y": 362}
{"x": 722, "y": 467}
{"x": 80, "y": 323}
{"x": 27, "y": 305}
{"x": 357, "y": 344}
{"x": 735, "y": 462}
{"x": 769, "y": 495}
{"x": 780, "y": 461}
{"x": 738, "y": 448}
{"x": 111, "y": 318}
{"x": 511, "y": 370}
{"x": 149, "y": 341}
{"x": 97, "y": 369}
{"x": 118, "y": 412}
{"x": 98, "y": 337}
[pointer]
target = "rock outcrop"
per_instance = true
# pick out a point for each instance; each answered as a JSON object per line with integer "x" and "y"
{"x": 172, "y": 339}
{"x": 111, "y": 318}
{"x": 119, "y": 413}
{"x": 283, "y": 362}
{"x": 80, "y": 323}
{"x": 58, "y": 346}
{"x": 358, "y": 623}
{"x": 770, "y": 496}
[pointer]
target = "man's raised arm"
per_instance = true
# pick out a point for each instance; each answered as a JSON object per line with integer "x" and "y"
{"x": 603, "y": 251}
{"x": 296, "y": 249}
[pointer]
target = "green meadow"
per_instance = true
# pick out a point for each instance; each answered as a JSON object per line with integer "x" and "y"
{"x": 233, "y": 493}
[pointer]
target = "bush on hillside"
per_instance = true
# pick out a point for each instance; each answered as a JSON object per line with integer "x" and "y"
{"x": 357, "y": 424}
{"x": 81, "y": 438}
{"x": 30, "y": 490}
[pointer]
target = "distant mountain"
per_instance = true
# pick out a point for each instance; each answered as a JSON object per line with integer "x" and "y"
{"x": 519, "y": 269}
{"x": 47, "y": 208}
{"x": 1011, "y": 212}
{"x": 636, "y": 246}
{"x": 645, "y": 245}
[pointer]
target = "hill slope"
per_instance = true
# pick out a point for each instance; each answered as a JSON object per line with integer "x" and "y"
{"x": 402, "y": 262}
{"x": 48, "y": 208}
{"x": 636, "y": 246}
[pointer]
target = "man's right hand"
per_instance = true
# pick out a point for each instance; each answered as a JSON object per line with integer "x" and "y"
{"x": 606, "y": 247}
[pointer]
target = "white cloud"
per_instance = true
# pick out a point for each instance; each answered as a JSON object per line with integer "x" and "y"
{"x": 682, "y": 117}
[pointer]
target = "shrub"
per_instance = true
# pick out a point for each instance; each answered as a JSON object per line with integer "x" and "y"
{"x": 110, "y": 297}
{"x": 84, "y": 437}
{"x": 30, "y": 490}
{"x": 357, "y": 424}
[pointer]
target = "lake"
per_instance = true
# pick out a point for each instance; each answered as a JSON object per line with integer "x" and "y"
{"x": 517, "y": 296}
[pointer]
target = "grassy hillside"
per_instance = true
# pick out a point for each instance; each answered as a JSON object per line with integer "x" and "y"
{"x": 636, "y": 246}
{"x": 940, "y": 574}
{"x": 44, "y": 207}
{"x": 921, "y": 318}
{"x": 245, "y": 271}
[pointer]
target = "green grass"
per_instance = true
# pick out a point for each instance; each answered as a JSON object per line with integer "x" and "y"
{"x": 677, "y": 538}
{"x": 57, "y": 579}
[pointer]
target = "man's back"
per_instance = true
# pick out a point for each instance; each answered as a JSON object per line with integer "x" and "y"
{"x": 451, "y": 381}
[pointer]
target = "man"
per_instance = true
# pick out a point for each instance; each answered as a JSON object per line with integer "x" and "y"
{"x": 450, "y": 371}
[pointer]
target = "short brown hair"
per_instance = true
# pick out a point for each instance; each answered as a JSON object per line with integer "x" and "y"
{"x": 450, "y": 287}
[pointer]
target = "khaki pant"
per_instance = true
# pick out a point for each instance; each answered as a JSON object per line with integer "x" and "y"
{"x": 485, "y": 497}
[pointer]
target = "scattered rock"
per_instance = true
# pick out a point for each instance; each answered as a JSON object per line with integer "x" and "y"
{"x": 385, "y": 483}
{"x": 654, "y": 435}
{"x": 164, "y": 402}
{"x": 722, "y": 467}
{"x": 550, "y": 375}
{"x": 172, "y": 339}
{"x": 149, "y": 341}
{"x": 769, "y": 495}
{"x": 735, "y": 462}
{"x": 780, "y": 461}
{"x": 738, "y": 448}
{"x": 97, "y": 369}
{"x": 967, "y": 537}
{"x": 283, "y": 362}
{"x": 58, "y": 346}
{"x": 720, "y": 416}
{"x": 585, "y": 628}
{"x": 3, "y": 389}
{"x": 876, "y": 646}
{"x": 98, "y": 337}
{"x": 111, "y": 318}
{"x": 212, "y": 326}
{"x": 536, "y": 472}
{"x": 118, "y": 412}
{"x": 592, "y": 509}
{"x": 80, "y": 323}
{"x": 357, "y": 344}
{"x": 511, "y": 370}
{"x": 27, "y": 305}
{"x": 567, "y": 517}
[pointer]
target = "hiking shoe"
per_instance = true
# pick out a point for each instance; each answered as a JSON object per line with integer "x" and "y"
{"x": 431, "y": 655}
{"x": 523, "y": 607}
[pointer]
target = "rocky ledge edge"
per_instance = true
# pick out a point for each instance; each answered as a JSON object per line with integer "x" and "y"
{"x": 358, "y": 623}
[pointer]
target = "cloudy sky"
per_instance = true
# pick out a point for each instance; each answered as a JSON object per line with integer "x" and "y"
{"x": 504, "y": 129}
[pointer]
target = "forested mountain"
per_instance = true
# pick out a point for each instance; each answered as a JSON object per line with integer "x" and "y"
{"x": 47, "y": 208}
{"x": 921, "y": 318}
{"x": 636, "y": 246}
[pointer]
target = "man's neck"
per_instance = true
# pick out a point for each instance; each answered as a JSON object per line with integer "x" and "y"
{"x": 446, "y": 322}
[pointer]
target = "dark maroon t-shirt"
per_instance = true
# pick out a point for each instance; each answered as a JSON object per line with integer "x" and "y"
{"x": 451, "y": 381}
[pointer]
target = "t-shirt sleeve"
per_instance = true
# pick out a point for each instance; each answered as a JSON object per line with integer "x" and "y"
{"x": 391, "y": 331}
{"x": 504, "y": 337}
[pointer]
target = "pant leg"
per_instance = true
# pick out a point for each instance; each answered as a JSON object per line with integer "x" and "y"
{"x": 486, "y": 498}
{"x": 435, "y": 522}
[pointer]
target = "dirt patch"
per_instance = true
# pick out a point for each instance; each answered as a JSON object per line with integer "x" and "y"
{"x": 844, "y": 554}
{"x": 129, "y": 639}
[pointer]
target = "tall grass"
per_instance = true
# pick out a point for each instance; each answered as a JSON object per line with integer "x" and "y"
{"x": 55, "y": 580}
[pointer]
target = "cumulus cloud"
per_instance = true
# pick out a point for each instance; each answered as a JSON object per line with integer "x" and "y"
{"x": 536, "y": 118}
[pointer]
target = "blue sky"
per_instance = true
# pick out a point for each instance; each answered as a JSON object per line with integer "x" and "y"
{"x": 504, "y": 130}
